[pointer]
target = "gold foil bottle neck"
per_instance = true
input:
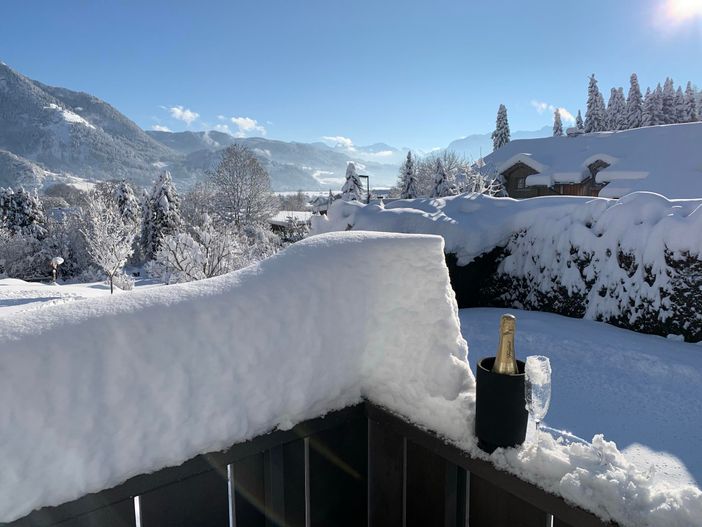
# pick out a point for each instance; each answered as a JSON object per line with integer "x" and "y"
{"x": 506, "y": 361}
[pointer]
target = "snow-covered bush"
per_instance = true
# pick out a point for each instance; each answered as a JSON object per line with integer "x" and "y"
{"x": 123, "y": 281}
{"x": 201, "y": 251}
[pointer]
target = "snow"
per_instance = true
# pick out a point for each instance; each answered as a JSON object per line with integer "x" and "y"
{"x": 282, "y": 217}
{"x": 69, "y": 116}
{"x": 665, "y": 159}
{"x": 17, "y": 296}
{"x": 644, "y": 392}
{"x": 107, "y": 388}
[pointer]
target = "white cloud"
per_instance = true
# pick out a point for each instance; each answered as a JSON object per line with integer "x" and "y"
{"x": 248, "y": 127}
{"x": 224, "y": 128}
{"x": 340, "y": 141}
{"x": 183, "y": 114}
{"x": 160, "y": 128}
{"x": 541, "y": 107}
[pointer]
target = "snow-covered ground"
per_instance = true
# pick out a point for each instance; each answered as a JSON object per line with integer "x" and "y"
{"x": 101, "y": 389}
{"x": 641, "y": 391}
{"x": 17, "y": 295}
{"x": 665, "y": 159}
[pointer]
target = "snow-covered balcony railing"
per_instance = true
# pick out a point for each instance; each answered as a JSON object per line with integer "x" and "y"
{"x": 202, "y": 404}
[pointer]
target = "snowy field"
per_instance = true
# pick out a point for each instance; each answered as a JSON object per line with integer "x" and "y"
{"x": 17, "y": 295}
{"x": 641, "y": 391}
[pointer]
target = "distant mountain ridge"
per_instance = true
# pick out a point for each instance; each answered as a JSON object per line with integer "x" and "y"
{"x": 51, "y": 134}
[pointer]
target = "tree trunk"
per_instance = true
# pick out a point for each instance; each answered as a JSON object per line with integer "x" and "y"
{"x": 112, "y": 289}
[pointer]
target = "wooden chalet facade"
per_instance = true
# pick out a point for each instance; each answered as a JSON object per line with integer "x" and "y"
{"x": 518, "y": 185}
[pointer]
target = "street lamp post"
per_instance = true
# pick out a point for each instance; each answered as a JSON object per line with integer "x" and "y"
{"x": 368, "y": 195}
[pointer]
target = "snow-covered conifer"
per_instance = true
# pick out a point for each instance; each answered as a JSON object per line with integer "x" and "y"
{"x": 634, "y": 103}
{"x": 616, "y": 110}
{"x": 680, "y": 111}
{"x": 579, "y": 122}
{"x": 444, "y": 184}
{"x": 595, "y": 115}
{"x": 21, "y": 212}
{"x": 647, "y": 109}
{"x": 161, "y": 214}
{"x": 127, "y": 203}
{"x": 408, "y": 179}
{"x": 668, "y": 102}
{"x": 691, "y": 112}
{"x": 352, "y": 189}
{"x": 657, "y": 115}
{"x": 557, "y": 124}
{"x": 501, "y": 135}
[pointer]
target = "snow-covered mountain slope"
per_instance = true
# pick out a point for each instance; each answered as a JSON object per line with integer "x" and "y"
{"x": 665, "y": 159}
{"x": 74, "y": 134}
{"x": 70, "y": 132}
{"x": 16, "y": 171}
{"x": 477, "y": 145}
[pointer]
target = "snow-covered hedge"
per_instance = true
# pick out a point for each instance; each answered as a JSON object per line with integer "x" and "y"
{"x": 634, "y": 262}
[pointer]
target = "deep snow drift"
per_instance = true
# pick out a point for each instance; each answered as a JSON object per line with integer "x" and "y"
{"x": 99, "y": 390}
{"x": 96, "y": 391}
{"x": 642, "y": 391}
{"x": 665, "y": 159}
{"x": 616, "y": 258}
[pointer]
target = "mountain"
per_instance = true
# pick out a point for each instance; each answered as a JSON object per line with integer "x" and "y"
{"x": 63, "y": 131}
{"x": 291, "y": 165}
{"x": 50, "y": 134}
{"x": 477, "y": 145}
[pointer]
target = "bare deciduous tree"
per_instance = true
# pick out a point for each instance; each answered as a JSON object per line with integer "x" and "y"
{"x": 108, "y": 237}
{"x": 242, "y": 188}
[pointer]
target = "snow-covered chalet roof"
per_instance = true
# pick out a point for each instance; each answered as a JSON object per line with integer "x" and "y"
{"x": 665, "y": 159}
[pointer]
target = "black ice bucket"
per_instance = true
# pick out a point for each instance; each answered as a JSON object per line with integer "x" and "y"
{"x": 500, "y": 407}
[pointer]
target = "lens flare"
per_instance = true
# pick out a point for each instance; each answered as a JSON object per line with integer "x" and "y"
{"x": 681, "y": 10}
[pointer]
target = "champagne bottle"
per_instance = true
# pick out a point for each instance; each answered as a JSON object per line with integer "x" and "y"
{"x": 505, "y": 361}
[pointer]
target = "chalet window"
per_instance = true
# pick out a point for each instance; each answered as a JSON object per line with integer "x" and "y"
{"x": 521, "y": 183}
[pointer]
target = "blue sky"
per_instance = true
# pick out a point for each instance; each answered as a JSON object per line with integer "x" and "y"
{"x": 416, "y": 74}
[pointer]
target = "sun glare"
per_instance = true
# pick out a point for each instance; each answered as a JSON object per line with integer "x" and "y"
{"x": 681, "y": 10}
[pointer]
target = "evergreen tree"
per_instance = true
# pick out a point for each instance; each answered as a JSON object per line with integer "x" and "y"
{"x": 408, "y": 179}
{"x": 352, "y": 189}
{"x": 680, "y": 111}
{"x": 634, "y": 104}
{"x": 443, "y": 182}
{"x": 557, "y": 124}
{"x": 21, "y": 212}
{"x": 657, "y": 115}
{"x": 668, "y": 115}
{"x": 500, "y": 137}
{"x": 579, "y": 122}
{"x": 127, "y": 203}
{"x": 161, "y": 214}
{"x": 595, "y": 115}
{"x": 616, "y": 110}
{"x": 647, "y": 109}
{"x": 691, "y": 112}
